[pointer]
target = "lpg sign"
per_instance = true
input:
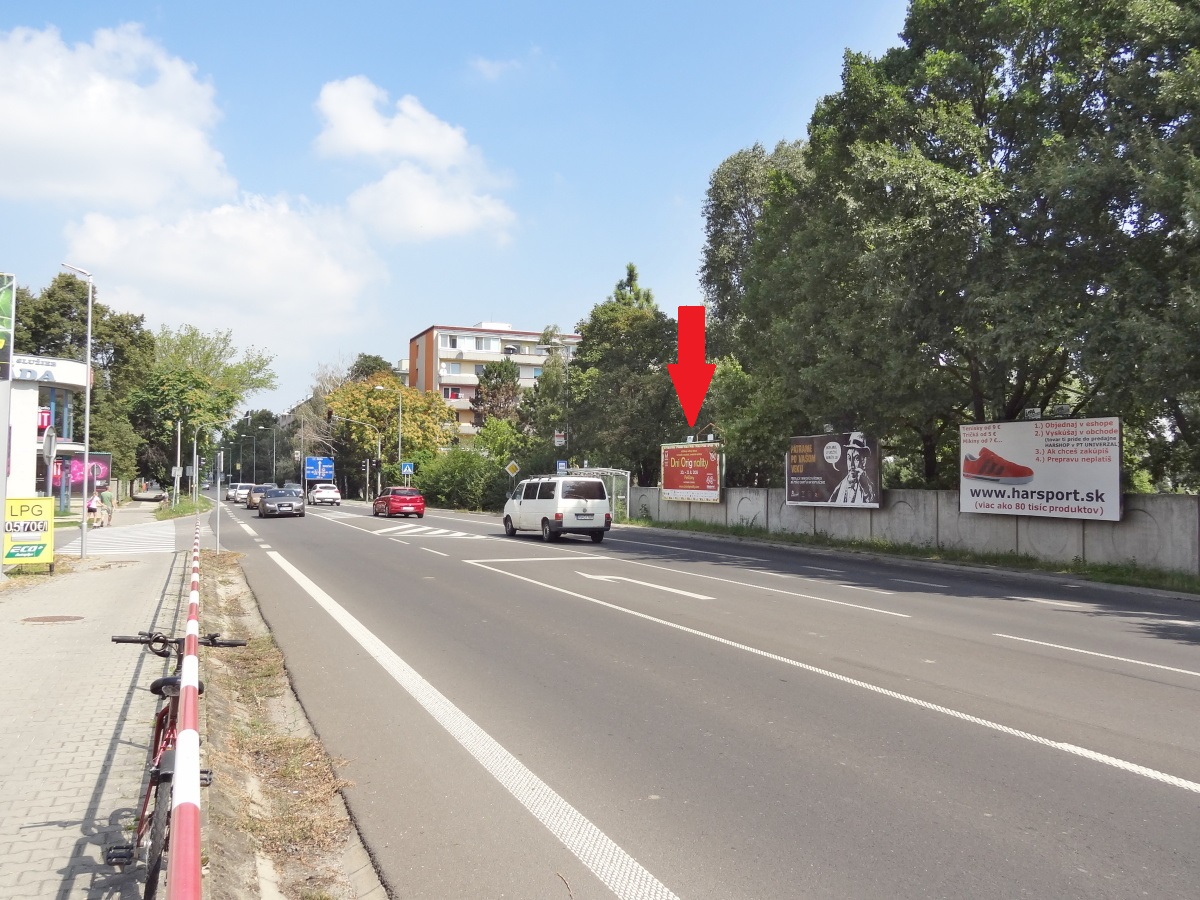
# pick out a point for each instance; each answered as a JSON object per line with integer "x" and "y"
{"x": 29, "y": 531}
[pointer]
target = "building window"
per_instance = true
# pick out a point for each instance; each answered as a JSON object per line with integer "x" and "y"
{"x": 454, "y": 369}
{"x": 452, "y": 393}
{"x": 450, "y": 341}
{"x": 479, "y": 367}
{"x": 492, "y": 345}
{"x": 537, "y": 371}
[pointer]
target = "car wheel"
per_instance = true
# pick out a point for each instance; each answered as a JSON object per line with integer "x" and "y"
{"x": 547, "y": 534}
{"x": 420, "y": 515}
{"x": 597, "y": 537}
{"x": 508, "y": 527}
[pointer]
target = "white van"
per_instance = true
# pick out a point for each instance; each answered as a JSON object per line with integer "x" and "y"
{"x": 559, "y": 504}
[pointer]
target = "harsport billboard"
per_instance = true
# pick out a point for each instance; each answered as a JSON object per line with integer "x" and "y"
{"x": 1061, "y": 468}
{"x": 691, "y": 472}
{"x": 832, "y": 470}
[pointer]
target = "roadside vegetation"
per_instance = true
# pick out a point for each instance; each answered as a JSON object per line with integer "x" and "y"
{"x": 1136, "y": 576}
{"x": 185, "y": 507}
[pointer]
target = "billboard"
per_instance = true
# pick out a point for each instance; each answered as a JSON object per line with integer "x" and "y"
{"x": 8, "y": 301}
{"x": 28, "y": 531}
{"x": 691, "y": 472}
{"x": 101, "y": 464}
{"x": 1060, "y": 468}
{"x": 832, "y": 470}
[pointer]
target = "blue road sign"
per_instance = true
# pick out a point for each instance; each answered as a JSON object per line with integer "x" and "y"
{"x": 318, "y": 468}
{"x": 562, "y": 467}
{"x": 406, "y": 468}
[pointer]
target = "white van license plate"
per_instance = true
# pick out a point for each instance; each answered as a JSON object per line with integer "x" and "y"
{"x": 584, "y": 515}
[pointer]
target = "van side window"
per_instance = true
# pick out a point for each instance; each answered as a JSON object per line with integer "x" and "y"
{"x": 583, "y": 490}
{"x": 530, "y": 491}
{"x": 546, "y": 490}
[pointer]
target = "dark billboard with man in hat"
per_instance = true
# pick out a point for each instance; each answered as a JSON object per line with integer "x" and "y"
{"x": 833, "y": 470}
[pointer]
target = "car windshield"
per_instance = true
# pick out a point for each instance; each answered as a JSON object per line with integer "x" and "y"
{"x": 278, "y": 492}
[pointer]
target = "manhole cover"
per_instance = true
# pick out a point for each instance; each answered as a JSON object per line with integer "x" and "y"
{"x": 51, "y": 620}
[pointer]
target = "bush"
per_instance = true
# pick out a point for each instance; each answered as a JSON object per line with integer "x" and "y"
{"x": 461, "y": 479}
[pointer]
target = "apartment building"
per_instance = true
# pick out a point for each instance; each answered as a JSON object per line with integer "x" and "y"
{"x": 449, "y": 359}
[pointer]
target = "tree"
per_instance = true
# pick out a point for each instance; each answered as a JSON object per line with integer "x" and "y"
{"x": 499, "y": 391}
{"x": 214, "y": 354}
{"x": 368, "y": 365}
{"x": 54, "y": 323}
{"x": 543, "y": 408}
{"x": 622, "y": 399}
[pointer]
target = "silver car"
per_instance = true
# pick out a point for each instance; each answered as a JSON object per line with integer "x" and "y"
{"x": 281, "y": 502}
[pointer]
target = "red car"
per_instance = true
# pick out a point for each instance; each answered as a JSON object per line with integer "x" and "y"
{"x": 399, "y": 501}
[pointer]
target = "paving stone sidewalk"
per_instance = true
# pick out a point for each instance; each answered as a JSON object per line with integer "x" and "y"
{"x": 76, "y": 714}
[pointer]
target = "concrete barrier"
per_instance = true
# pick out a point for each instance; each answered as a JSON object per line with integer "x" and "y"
{"x": 1160, "y": 531}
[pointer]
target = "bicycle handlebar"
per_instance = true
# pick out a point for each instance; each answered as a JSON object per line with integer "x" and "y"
{"x": 158, "y": 643}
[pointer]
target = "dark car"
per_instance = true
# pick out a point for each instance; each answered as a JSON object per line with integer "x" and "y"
{"x": 399, "y": 501}
{"x": 281, "y": 502}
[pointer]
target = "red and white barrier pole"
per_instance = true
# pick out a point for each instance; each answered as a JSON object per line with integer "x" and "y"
{"x": 183, "y": 863}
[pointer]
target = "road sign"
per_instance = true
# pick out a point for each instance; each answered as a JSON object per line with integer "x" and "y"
{"x": 562, "y": 467}
{"x": 512, "y": 468}
{"x": 318, "y": 468}
{"x": 560, "y": 439}
{"x": 406, "y": 468}
{"x": 28, "y": 531}
{"x": 49, "y": 445}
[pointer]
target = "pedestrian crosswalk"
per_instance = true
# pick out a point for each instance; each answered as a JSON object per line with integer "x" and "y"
{"x": 149, "y": 537}
{"x": 412, "y": 530}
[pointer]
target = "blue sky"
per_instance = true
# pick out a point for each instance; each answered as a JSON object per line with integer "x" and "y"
{"x": 331, "y": 179}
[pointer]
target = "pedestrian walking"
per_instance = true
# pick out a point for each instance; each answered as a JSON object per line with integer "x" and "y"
{"x": 107, "y": 499}
{"x": 93, "y": 507}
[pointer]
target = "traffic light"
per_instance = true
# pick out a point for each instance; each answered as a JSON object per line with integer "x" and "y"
{"x": 329, "y": 416}
{"x": 366, "y": 465}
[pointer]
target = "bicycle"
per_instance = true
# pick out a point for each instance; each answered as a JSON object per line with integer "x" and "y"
{"x": 154, "y": 824}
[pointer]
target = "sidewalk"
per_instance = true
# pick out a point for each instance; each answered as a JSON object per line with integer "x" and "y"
{"x": 76, "y": 717}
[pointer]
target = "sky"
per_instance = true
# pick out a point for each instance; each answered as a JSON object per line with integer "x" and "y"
{"x": 326, "y": 180}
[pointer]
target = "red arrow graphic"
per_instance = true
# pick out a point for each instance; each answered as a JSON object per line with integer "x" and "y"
{"x": 691, "y": 375}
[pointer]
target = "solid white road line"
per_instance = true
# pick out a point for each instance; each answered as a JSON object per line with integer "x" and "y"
{"x": 1136, "y": 662}
{"x": 1113, "y": 761}
{"x": 763, "y": 587}
{"x": 438, "y": 552}
{"x": 620, "y": 872}
{"x": 921, "y": 583}
{"x": 1068, "y": 603}
{"x": 657, "y": 587}
{"x": 821, "y": 569}
{"x": 687, "y": 549}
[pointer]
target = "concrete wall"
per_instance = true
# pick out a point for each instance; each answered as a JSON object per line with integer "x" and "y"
{"x": 1160, "y": 531}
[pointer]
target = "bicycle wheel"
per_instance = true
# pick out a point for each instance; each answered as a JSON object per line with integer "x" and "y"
{"x": 158, "y": 838}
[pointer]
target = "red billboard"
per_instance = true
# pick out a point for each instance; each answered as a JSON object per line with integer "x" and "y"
{"x": 691, "y": 472}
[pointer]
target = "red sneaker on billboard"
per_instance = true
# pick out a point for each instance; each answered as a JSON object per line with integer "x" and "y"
{"x": 987, "y": 466}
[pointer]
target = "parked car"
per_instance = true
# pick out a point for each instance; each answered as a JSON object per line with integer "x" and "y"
{"x": 559, "y": 504}
{"x": 325, "y": 493}
{"x": 399, "y": 501}
{"x": 255, "y": 494}
{"x": 281, "y": 502}
{"x": 243, "y": 491}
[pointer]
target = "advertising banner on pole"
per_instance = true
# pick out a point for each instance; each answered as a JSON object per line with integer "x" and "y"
{"x": 1060, "y": 468}
{"x": 691, "y": 472}
{"x": 832, "y": 470}
{"x": 101, "y": 464}
{"x": 8, "y": 300}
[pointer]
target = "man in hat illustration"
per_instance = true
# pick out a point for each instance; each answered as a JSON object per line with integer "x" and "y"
{"x": 856, "y": 488}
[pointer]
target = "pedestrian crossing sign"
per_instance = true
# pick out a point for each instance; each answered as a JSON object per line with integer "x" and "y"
{"x": 406, "y": 468}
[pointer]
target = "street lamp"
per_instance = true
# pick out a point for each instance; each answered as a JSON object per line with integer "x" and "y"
{"x": 399, "y": 426}
{"x": 87, "y": 412}
{"x": 273, "y": 458}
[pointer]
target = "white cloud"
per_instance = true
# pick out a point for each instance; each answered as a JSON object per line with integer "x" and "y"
{"x": 117, "y": 123}
{"x": 494, "y": 69}
{"x": 438, "y": 184}
{"x": 280, "y": 276}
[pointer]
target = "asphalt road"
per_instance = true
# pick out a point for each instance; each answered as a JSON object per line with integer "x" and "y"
{"x": 665, "y": 715}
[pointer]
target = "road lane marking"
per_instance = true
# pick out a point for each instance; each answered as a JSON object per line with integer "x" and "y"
{"x": 1068, "y": 603}
{"x": 398, "y": 541}
{"x": 687, "y": 549}
{"x": 1072, "y": 749}
{"x": 1136, "y": 662}
{"x": 535, "y": 559}
{"x": 438, "y": 552}
{"x": 657, "y": 587}
{"x": 921, "y": 583}
{"x": 822, "y": 569}
{"x": 763, "y": 587}
{"x": 855, "y": 587}
{"x": 620, "y": 872}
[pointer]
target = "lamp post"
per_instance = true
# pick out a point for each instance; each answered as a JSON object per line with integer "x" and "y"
{"x": 399, "y": 426}
{"x": 254, "y": 456}
{"x": 273, "y": 457}
{"x": 87, "y": 412}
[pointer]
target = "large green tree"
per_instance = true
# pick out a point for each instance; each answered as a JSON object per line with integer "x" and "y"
{"x": 498, "y": 392}
{"x": 623, "y": 405}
